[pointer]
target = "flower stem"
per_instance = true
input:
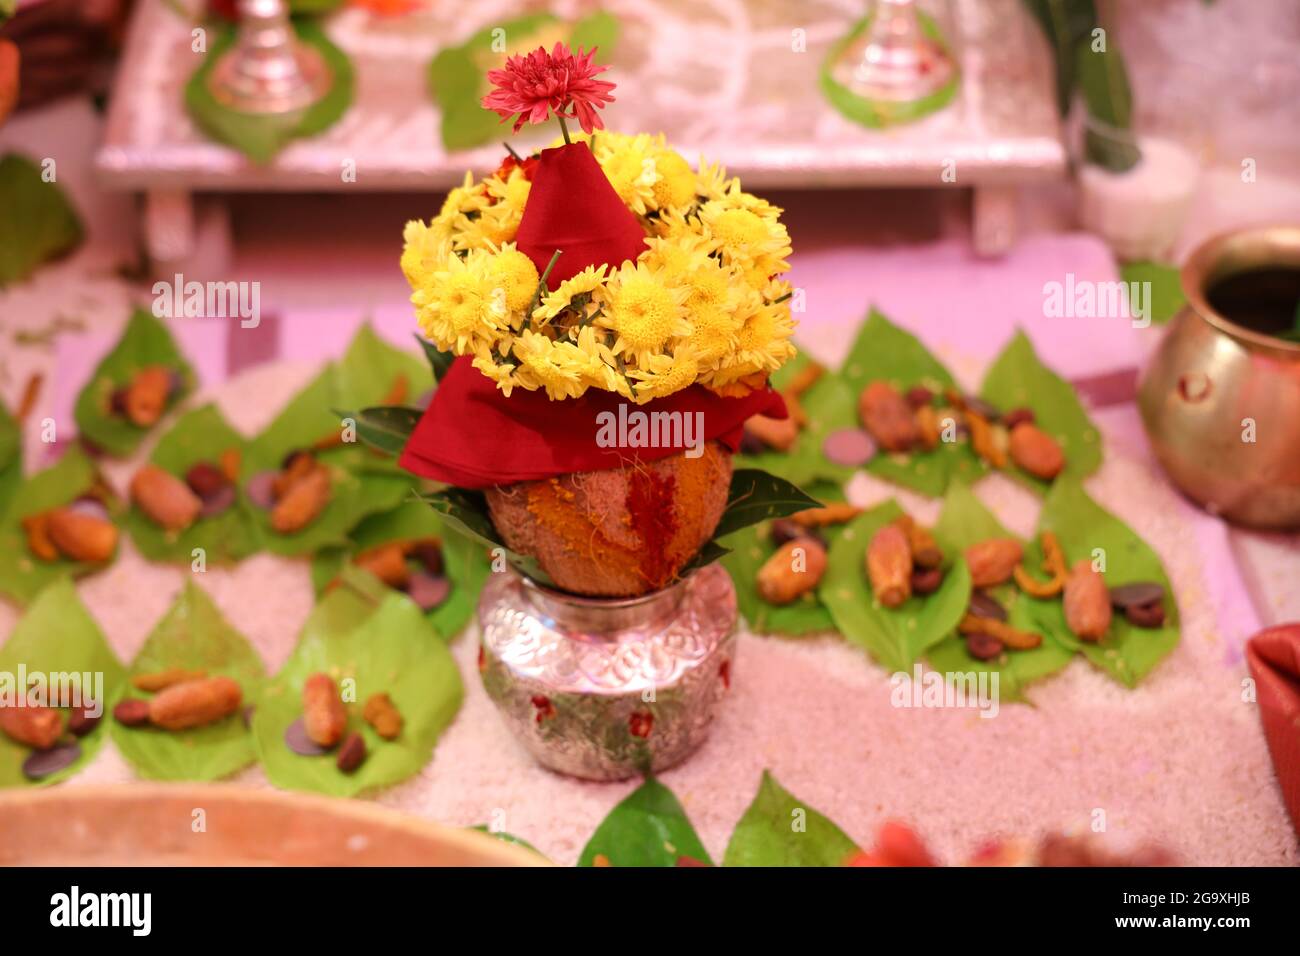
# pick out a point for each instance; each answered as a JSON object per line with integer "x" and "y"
{"x": 564, "y": 129}
{"x": 541, "y": 284}
{"x": 511, "y": 150}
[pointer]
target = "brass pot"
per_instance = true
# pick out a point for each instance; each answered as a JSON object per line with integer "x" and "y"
{"x": 1220, "y": 402}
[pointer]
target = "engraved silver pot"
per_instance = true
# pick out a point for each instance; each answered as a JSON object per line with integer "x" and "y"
{"x": 604, "y": 688}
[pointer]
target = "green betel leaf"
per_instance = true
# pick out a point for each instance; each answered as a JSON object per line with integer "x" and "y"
{"x": 11, "y": 459}
{"x": 648, "y": 828}
{"x": 37, "y": 223}
{"x": 392, "y": 649}
{"x": 22, "y": 574}
{"x": 1087, "y": 531}
{"x": 145, "y": 342}
{"x": 830, "y": 406}
{"x": 1165, "y": 287}
{"x": 306, "y": 420}
{"x": 464, "y": 561}
{"x": 371, "y": 368}
{"x": 193, "y": 635}
{"x": 507, "y": 838}
{"x": 780, "y": 830}
{"x": 756, "y": 496}
{"x": 750, "y": 549}
{"x": 1017, "y": 379}
{"x": 260, "y": 137}
{"x": 963, "y": 522}
{"x": 895, "y": 637}
{"x": 1065, "y": 22}
{"x": 885, "y": 351}
{"x": 201, "y": 435}
{"x": 58, "y": 637}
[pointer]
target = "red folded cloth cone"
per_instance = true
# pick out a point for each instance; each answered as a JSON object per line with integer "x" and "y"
{"x": 1274, "y": 658}
{"x": 472, "y": 436}
{"x": 572, "y": 207}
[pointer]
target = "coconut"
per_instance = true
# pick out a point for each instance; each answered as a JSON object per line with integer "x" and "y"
{"x": 620, "y": 532}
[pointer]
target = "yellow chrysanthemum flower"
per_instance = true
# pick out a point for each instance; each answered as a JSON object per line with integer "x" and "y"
{"x": 643, "y": 311}
{"x": 511, "y": 192}
{"x": 711, "y": 182}
{"x": 490, "y": 228}
{"x": 675, "y": 186}
{"x": 713, "y": 333}
{"x": 561, "y": 368}
{"x": 502, "y": 374}
{"x": 742, "y": 235}
{"x": 425, "y": 249}
{"x": 661, "y": 375}
{"x": 514, "y": 273}
{"x": 628, "y": 164}
{"x": 457, "y": 309}
{"x": 584, "y": 283}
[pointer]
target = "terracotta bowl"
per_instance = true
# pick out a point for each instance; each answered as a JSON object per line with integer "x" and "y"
{"x": 154, "y": 824}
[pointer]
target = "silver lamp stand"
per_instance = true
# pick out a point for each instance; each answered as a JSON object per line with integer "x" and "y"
{"x": 268, "y": 70}
{"x": 895, "y": 61}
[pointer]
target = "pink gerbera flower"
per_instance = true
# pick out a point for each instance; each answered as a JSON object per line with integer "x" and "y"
{"x": 531, "y": 87}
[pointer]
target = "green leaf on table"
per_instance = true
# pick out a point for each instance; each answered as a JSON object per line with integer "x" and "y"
{"x": 963, "y": 522}
{"x": 648, "y": 828}
{"x": 386, "y": 648}
{"x": 464, "y": 561}
{"x": 1085, "y": 531}
{"x": 1108, "y": 139}
{"x": 1018, "y": 379}
{"x": 370, "y": 371}
{"x": 830, "y": 406}
{"x": 1165, "y": 283}
{"x": 37, "y": 223}
{"x": 22, "y": 575}
{"x": 458, "y": 75}
{"x": 146, "y": 341}
{"x": 193, "y": 635}
{"x": 306, "y": 420}
{"x": 779, "y": 830}
{"x": 201, "y": 435}
{"x": 261, "y": 137}
{"x": 507, "y": 838}
{"x": 11, "y": 458}
{"x": 896, "y": 637}
{"x": 57, "y": 636}
{"x": 385, "y": 428}
{"x": 750, "y": 549}
{"x": 313, "y": 7}
{"x": 885, "y": 351}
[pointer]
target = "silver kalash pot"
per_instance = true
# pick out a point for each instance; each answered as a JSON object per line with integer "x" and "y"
{"x": 608, "y": 688}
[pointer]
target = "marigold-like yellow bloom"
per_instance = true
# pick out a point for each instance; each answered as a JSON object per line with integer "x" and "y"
{"x": 584, "y": 283}
{"x": 643, "y": 311}
{"x": 516, "y": 276}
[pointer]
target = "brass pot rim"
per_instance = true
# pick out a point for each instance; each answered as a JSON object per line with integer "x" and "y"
{"x": 1214, "y": 259}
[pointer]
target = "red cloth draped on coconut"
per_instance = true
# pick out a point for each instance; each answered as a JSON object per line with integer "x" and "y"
{"x": 472, "y": 436}
{"x": 1274, "y": 658}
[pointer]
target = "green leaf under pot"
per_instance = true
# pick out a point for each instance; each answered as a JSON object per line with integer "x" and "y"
{"x": 1086, "y": 530}
{"x": 963, "y": 522}
{"x": 201, "y": 435}
{"x": 389, "y": 648}
{"x": 756, "y": 496}
{"x": 465, "y": 512}
{"x": 647, "y": 828}
{"x": 306, "y": 420}
{"x": 146, "y": 341}
{"x": 885, "y": 351}
{"x": 780, "y": 830}
{"x": 193, "y": 635}
{"x": 23, "y": 575}
{"x": 749, "y": 550}
{"x": 57, "y": 636}
{"x": 261, "y": 137}
{"x": 464, "y": 561}
{"x": 385, "y": 428}
{"x": 37, "y": 222}
{"x": 439, "y": 361}
{"x": 1018, "y": 379}
{"x": 896, "y": 637}
{"x": 830, "y": 406}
